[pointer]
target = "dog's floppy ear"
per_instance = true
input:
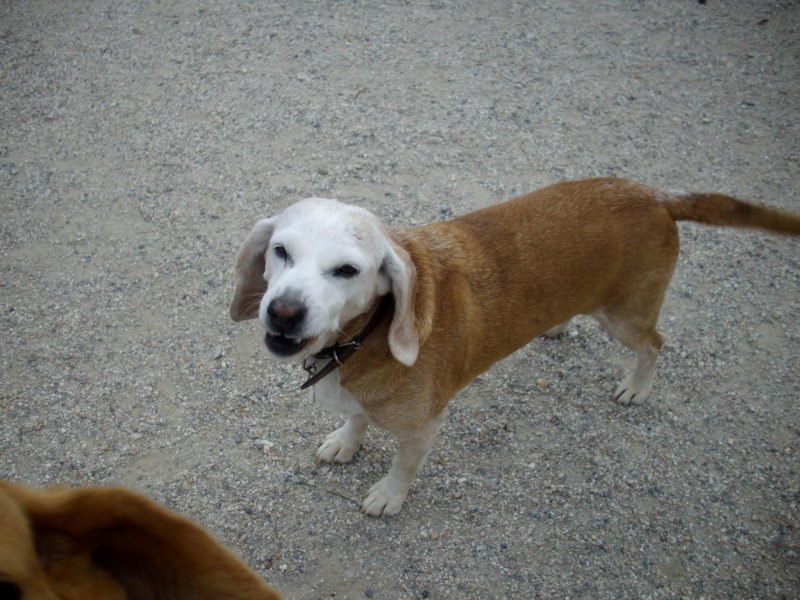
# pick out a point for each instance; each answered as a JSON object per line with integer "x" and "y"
{"x": 112, "y": 543}
{"x": 250, "y": 283}
{"x": 401, "y": 272}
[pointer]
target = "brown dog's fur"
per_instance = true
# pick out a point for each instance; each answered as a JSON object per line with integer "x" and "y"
{"x": 491, "y": 281}
{"x": 96, "y": 543}
{"x": 485, "y": 284}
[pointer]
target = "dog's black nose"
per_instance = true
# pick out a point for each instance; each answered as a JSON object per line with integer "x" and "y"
{"x": 285, "y": 315}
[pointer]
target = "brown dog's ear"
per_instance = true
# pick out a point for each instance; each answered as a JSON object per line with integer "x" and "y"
{"x": 403, "y": 336}
{"x": 250, "y": 283}
{"x": 112, "y": 543}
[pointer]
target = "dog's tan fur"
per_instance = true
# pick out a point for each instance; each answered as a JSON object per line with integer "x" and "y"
{"x": 111, "y": 544}
{"x": 485, "y": 284}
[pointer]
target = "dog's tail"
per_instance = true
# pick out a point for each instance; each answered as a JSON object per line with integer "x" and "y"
{"x": 724, "y": 211}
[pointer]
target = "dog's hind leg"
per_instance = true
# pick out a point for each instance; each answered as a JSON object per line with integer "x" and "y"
{"x": 630, "y": 314}
{"x": 635, "y": 388}
{"x": 644, "y": 339}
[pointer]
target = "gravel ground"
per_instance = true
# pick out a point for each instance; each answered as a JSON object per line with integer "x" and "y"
{"x": 141, "y": 140}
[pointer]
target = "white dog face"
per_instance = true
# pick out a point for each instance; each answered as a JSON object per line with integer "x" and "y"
{"x": 323, "y": 268}
{"x": 316, "y": 266}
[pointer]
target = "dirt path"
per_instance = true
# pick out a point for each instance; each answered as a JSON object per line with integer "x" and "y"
{"x": 139, "y": 141}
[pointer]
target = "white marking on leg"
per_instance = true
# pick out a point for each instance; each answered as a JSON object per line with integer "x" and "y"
{"x": 635, "y": 388}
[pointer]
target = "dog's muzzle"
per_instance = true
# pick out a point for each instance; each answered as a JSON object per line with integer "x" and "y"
{"x": 285, "y": 318}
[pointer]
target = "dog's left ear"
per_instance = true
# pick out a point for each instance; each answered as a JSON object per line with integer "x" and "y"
{"x": 250, "y": 265}
{"x": 403, "y": 336}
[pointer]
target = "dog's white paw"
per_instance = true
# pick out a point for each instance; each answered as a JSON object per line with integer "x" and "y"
{"x": 632, "y": 392}
{"x": 338, "y": 447}
{"x": 385, "y": 498}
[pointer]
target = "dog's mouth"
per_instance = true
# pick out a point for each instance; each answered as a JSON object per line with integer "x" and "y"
{"x": 285, "y": 346}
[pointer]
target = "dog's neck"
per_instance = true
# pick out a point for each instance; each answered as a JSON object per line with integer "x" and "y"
{"x": 337, "y": 353}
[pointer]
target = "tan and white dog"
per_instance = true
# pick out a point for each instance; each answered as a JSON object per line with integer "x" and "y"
{"x": 464, "y": 294}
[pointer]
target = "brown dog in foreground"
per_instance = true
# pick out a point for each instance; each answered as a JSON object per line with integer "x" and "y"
{"x": 108, "y": 544}
{"x": 465, "y": 293}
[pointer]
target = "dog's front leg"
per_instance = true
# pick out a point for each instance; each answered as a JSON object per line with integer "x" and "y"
{"x": 386, "y": 497}
{"x": 340, "y": 445}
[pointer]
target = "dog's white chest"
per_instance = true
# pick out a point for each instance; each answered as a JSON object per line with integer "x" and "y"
{"x": 330, "y": 394}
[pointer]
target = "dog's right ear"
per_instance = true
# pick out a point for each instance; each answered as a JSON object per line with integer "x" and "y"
{"x": 250, "y": 265}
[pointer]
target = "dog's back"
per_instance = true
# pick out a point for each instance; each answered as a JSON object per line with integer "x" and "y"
{"x": 591, "y": 241}
{"x": 604, "y": 247}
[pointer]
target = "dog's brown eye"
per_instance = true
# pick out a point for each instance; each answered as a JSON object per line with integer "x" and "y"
{"x": 345, "y": 271}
